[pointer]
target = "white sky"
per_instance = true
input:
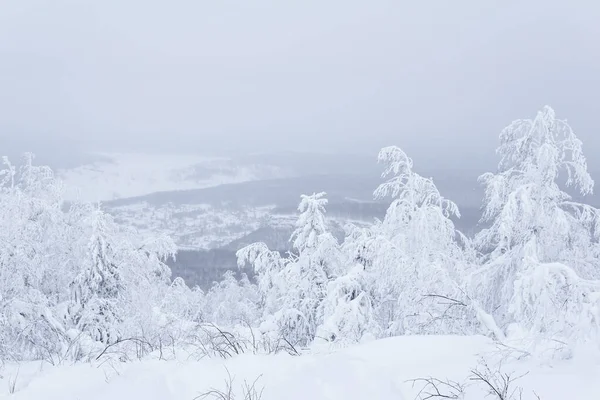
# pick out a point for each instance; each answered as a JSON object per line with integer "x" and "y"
{"x": 439, "y": 78}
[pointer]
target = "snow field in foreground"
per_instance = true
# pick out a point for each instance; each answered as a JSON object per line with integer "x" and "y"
{"x": 380, "y": 370}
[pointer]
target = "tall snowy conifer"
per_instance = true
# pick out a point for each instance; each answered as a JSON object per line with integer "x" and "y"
{"x": 293, "y": 288}
{"x": 311, "y": 270}
{"x": 97, "y": 290}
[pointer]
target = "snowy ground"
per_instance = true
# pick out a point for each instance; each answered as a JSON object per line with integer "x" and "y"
{"x": 379, "y": 370}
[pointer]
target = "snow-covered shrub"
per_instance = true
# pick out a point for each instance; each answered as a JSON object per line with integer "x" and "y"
{"x": 232, "y": 302}
{"x": 269, "y": 266}
{"x": 348, "y": 309}
{"x": 181, "y": 302}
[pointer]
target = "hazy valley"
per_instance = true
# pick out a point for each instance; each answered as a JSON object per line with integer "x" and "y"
{"x": 212, "y": 207}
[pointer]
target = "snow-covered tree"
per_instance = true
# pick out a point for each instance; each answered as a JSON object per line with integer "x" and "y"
{"x": 269, "y": 266}
{"x": 421, "y": 253}
{"x": 348, "y": 309}
{"x": 311, "y": 222}
{"x": 293, "y": 288}
{"x": 182, "y": 303}
{"x": 68, "y": 271}
{"x": 541, "y": 250}
{"x": 233, "y": 302}
{"x": 352, "y": 298}
{"x": 33, "y": 271}
{"x": 307, "y": 275}
{"x": 405, "y": 271}
{"x": 98, "y": 289}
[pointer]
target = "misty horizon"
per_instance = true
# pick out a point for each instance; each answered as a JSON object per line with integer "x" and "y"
{"x": 438, "y": 80}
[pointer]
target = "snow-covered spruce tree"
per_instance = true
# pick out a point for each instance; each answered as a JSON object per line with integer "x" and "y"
{"x": 540, "y": 252}
{"x": 145, "y": 280}
{"x": 120, "y": 285}
{"x": 315, "y": 262}
{"x": 293, "y": 288}
{"x": 98, "y": 290}
{"x": 312, "y": 242}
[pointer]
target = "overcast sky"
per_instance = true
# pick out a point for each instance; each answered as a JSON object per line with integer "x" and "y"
{"x": 439, "y": 78}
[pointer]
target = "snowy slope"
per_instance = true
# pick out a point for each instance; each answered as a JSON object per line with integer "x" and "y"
{"x": 381, "y": 370}
{"x": 192, "y": 226}
{"x": 121, "y": 175}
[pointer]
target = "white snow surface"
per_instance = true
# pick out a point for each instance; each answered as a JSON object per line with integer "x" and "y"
{"x": 125, "y": 175}
{"x": 379, "y": 370}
